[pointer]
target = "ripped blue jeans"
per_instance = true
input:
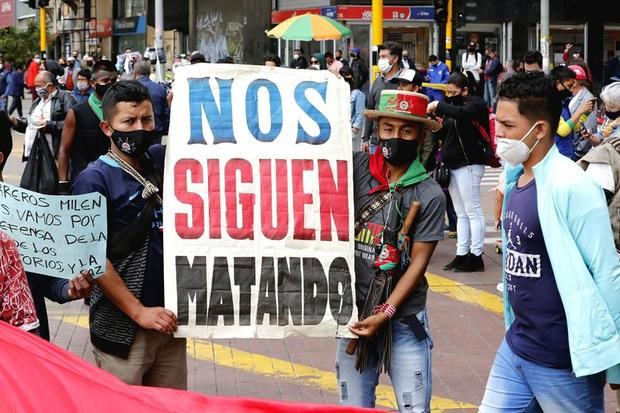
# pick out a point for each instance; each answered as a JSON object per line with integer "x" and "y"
{"x": 410, "y": 371}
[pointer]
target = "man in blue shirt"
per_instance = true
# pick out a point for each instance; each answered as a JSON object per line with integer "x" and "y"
{"x": 131, "y": 331}
{"x": 438, "y": 72}
{"x": 142, "y": 71}
{"x": 561, "y": 270}
{"x": 83, "y": 88}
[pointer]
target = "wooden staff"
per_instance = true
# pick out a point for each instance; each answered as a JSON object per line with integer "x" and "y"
{"x": 409, "y": 220}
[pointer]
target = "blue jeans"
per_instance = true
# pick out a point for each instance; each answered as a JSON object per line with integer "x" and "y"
{"x": 489, "y": 93}
{"x": 516, "y": 385}
{"x": 410, "y": 371}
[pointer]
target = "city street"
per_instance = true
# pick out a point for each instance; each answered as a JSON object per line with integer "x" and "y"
{"x": 465, "y": 318}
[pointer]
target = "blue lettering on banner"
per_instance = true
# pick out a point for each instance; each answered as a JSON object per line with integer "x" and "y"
{"x": 323, "y": 123}
{"x": 275, "y": 110}
{"x": 220, "y": 120}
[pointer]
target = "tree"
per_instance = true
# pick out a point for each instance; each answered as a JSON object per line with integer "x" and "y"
{"x": 18, "y": 46}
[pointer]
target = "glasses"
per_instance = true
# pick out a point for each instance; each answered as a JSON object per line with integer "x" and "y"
{"x": 314, "y": 61}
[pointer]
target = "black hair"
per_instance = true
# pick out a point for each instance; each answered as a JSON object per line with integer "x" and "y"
{"x": 328, "y": 54}
{"x": 85, "y": 73}
{"x": 106, "y": 65}
{"x": 432, "y": 58}
{"x": 123, "y": 91}
{"x": 535, "y": 95}
{"x": 395, "y": 48}
{"x": 299, "y": 49}
{"x": 533, "y": 56}
{"x": 271, "y": 57}
{"x": 226, "y": 59}
{"x": 459, "y": 80}
{"x": 562, "y": 74}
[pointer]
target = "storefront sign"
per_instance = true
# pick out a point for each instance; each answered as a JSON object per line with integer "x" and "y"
{"x": 7, "y": 13}
{"x": 100, "y": 28}
{"x": 390, "y": 13}
{"x": 259, "y": 203}
{"x": 130, "y": 25}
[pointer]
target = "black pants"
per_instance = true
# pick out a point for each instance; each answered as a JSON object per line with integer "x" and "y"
{"x": 16, "y": 103}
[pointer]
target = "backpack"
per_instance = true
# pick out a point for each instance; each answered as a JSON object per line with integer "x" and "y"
{"x": 489, "y": 141}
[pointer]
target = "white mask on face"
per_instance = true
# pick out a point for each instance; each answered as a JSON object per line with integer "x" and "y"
{"x": 317, "y": 66}
{"x": 384, "y": 65}
{"x": 295, "y": 56}
{"x": 514, "y": 151}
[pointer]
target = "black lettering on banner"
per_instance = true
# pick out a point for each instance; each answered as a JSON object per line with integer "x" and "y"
{"x": 191, "y": 285}
{"x": 289, "y": 291}
{"x": 267, "y": 293}
{"x": 315, "y": 303}
{"x": 340, "y": 292}
{"x": 221, "y": 300}
{"x": 245, "y": 278}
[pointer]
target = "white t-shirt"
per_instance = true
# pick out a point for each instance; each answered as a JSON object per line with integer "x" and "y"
{"x": 472, "y": 63}
{"x": 42, "y": 110}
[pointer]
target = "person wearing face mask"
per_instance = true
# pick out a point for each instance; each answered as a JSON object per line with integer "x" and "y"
{"x": 390, "y": 56}
{"x": 357, "y": 101}
{"x": 82, "y": 140}
{"x": 130, "y": 330}
{"x": 83, "y": 89}
{"x": 565, "y": 80}
{"x": 31, "y": 73}
{"x": 394, "y": 168}
{"x": 360, "y": 69}
{"x": 472, "y": 61}
{"x": 463, "y": 153}
{"x": 47, "y": 114}
{"x": 407, "y": 62}
{"x": 438, "y": 72}
{"x": 299, "y": 61}
{"x": 561, "y": 295}
{"x": 610, "y": 128}
{"x": 317, "y": 62}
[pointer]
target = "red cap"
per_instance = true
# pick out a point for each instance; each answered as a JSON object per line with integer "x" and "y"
{"x": 579, "y": 71}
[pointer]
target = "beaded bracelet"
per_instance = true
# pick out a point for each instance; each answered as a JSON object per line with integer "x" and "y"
{"x": 386, "y": 308}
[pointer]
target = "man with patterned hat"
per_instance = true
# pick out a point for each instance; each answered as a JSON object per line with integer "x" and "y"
{"x": 394, "y": 333}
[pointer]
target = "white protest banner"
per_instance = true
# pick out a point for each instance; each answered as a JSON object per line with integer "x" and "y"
{"x": 259, "y": 203}
{"x": 56, "y": 235}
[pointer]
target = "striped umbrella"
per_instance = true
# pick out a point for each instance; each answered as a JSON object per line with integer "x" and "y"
{"x": 308, "y": 27}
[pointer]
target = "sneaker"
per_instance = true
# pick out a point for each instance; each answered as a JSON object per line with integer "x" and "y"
{"x": 451, "y": 234}
{"x": 458, "y": 260}
{"x": 500, "y": 287}
{"x": 473, "y": 263}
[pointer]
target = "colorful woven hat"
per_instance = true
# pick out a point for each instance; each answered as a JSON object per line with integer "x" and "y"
{"x": 404, "y": 105}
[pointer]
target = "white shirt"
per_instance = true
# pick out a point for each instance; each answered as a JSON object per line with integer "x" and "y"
{"x": 42, "y": 110}
{"x": 472, "y": 63}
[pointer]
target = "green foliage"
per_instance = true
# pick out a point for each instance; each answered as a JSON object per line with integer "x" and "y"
{"x": 18, "y": 46}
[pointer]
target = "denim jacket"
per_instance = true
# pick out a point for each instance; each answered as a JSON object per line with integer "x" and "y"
{"x": 576, "y": 228}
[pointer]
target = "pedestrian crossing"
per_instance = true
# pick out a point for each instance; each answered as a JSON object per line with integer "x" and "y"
{"x": 491, "y": 177}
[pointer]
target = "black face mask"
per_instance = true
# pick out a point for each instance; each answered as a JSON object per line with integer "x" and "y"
{"x": 457, "y": 100}
{"x": 565, "y": 94}
{"x": 398, "y": 151}
{"x": 612, "y": 115}
{"x": 101, "y": 89}
{"x": 133, "y": 143}
{"x": 472, "y": 49}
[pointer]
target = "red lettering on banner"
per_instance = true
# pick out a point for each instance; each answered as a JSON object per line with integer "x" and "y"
{"x": 246, "y": 201}
{"x": 215, "y": 202}
{"x": 301, "y": 199}
{"x": 181, "y": 220}
{"x": 334, "y": 200}
{"x": 266, "y": 185}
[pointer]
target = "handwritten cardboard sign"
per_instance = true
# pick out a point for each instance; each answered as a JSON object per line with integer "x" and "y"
{"x": 56, "y": 235}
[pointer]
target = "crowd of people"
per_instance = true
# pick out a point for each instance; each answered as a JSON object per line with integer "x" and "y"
{"x": 556, "y": 205}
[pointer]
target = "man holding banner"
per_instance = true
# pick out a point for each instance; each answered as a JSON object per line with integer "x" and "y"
{"x": 391, "y": 287}
{"x": 131, "y": 331}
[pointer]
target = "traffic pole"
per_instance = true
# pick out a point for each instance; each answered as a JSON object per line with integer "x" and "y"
{"x": 448, "y": 59}
{"x": 545, "y": 37}
{"x": 43, "y": 33}
{"x": 377, "y": 35}
{"x": 159, "y": 40}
